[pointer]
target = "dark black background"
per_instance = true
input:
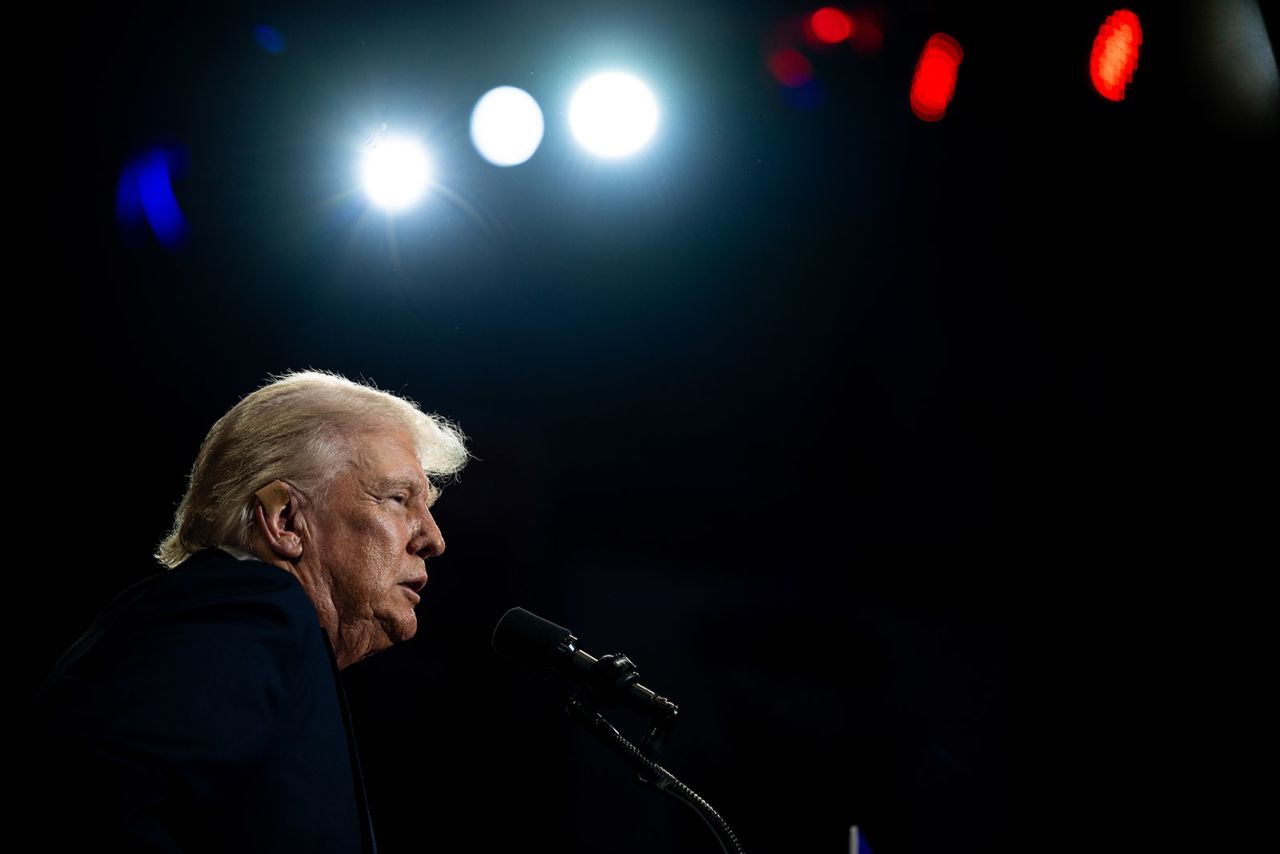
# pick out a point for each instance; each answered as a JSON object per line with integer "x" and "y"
{"x": 900, "y": 454}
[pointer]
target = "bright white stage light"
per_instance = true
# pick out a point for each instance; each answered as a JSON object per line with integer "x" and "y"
{"x": 506, "y": 126}
{"x": 395, "y": 173}
{"x": 613, "y": 114}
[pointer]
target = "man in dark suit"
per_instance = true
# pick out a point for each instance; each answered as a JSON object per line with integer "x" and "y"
{"x": 203, "y": 710}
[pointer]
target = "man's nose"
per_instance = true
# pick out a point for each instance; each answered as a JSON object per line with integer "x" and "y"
{"x": 429, "y": 542}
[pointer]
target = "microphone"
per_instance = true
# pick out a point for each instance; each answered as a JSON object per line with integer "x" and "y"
{"x": 540, "y": 644}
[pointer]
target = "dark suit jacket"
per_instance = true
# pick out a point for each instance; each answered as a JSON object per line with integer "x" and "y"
{"x": 202, "y": 711}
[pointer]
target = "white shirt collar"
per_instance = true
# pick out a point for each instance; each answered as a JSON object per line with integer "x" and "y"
{"x": 238, "y": 554}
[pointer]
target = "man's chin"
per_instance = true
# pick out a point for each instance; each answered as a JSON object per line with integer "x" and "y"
{"x": 397, "y": 632}
{"x": 406, "y": 630}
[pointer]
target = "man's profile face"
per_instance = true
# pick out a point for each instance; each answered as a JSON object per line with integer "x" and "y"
{"x": 369, "y": 540}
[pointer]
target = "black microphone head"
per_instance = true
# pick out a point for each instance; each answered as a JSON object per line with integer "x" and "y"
{"x": 528, "y": 639}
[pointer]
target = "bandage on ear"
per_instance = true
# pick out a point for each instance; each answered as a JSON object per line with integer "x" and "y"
{"x": 273, "y": 496}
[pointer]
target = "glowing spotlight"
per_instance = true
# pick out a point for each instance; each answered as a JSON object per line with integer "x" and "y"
{"x": 506, "y": 126}
{"x": 830, "y": 25}
{"x": 934, "y": 82}
{"x": 395, "y": 173}
{"x": 613, "y": 114}
{"x": 1115, "y": 54}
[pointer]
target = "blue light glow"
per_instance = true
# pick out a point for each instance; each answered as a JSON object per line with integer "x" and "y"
{"x": 145, "y": 192}
{"x": 269, "y": 39}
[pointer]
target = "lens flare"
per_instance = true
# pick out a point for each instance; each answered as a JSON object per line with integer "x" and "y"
{"x": 1115, "y": 54}
{"x": 934, "y": 82}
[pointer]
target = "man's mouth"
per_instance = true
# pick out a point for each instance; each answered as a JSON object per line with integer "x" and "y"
{"x": 413, "y": 586}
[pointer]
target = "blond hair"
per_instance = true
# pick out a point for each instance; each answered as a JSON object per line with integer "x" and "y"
{"x": 298, "y": 428}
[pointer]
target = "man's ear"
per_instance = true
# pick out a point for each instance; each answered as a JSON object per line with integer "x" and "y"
{"x": 276, "y": 514}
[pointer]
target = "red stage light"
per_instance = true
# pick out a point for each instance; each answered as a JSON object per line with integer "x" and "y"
{"x": 1115, "y": 54}
{"x": 934, "y": 82}
{"x": 790, "y": 67}
{"x": 830, "y": 25}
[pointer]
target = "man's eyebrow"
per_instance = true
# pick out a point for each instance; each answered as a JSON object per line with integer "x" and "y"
{"x": 392, "y": 482}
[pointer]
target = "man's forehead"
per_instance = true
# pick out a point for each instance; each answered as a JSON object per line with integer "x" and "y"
{"x": 385, "y": 461}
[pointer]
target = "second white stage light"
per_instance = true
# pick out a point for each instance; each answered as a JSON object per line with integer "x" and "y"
{"x": 613, "y": 114}
{"x": 506, "y": 126}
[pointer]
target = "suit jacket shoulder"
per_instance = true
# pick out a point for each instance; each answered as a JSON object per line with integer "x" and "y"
{"x": 201, "y": 711}
{"x": 220, "y": 635}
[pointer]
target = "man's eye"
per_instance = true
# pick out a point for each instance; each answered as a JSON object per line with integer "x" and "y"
{"x": 400, "y": 498}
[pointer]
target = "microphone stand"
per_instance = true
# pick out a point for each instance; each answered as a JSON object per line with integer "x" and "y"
{"x": 613, "y": 675}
